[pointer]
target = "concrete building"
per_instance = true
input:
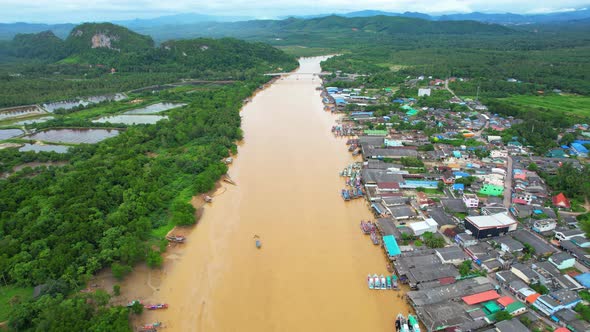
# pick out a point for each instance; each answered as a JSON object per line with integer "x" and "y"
{"x": 562, "y": 260}
{"x": 471, "y": 201}
{"x": 555, "y": 301}
{"x": 491, "y": 225}
{"x": 421, "y": 227}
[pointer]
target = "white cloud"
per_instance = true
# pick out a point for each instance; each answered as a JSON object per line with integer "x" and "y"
{"x": 76, "y": 10}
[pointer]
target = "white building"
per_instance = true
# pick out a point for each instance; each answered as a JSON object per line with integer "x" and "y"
{"x": 424, "y": 92}
{"x": 498, "y": 153}
{"x": 421, "y": 227}
{"x": 545, "y": 225}
{"x": 471, "y": 200}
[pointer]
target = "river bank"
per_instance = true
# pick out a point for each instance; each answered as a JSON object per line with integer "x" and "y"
{"x": 314, "y": 259}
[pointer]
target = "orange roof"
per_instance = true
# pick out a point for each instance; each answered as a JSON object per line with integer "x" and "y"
{"x": 481, "y": 297}
{"x": 505, "y": 301}
{"x": 532, "y": 298}
{"x": 561, "y": 329}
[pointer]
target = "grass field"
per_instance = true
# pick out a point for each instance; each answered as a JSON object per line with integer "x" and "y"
{"x": 7, "y": 293}
{"x": 578, "y": 105}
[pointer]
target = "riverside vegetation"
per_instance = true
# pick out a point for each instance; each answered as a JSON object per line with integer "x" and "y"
{"x": 111, "y": 205}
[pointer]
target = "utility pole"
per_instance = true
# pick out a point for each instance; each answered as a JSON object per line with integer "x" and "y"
{"x": 477, "y": 94}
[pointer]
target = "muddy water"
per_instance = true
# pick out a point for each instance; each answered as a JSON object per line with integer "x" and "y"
{"x": 310, "y": 274}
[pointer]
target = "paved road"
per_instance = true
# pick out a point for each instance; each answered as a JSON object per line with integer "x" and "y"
{"x": 508, "y": 183}
{"x": 453, "y": 93}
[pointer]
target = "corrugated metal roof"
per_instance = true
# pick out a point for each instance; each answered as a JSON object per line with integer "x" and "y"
{"x": 481, "y": 297}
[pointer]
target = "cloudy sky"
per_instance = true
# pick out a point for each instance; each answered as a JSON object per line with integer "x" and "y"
{"x": 57, "y": 11}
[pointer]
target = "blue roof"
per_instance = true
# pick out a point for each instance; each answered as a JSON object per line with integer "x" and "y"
{"x": 374, "y": 206}
{"x": 584, "y": 279}
{"x": 339, "y": 100}
{"x": 565, "y": 147}
{"x": 461, "y": 174}
{"x": 391, "y": 245}
{"x": 399, "y": 101}
{"x": 457, "y": 154}
{"x": 458, "y": 186}
{"x": 580, "y": 141}
{"x": 579, "y": 148}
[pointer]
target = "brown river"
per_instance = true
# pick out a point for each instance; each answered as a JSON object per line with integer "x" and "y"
{"x": 310, "y": 274}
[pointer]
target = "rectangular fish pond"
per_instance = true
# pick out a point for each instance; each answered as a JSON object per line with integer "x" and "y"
{"x": 131, "y": 119}
{"x": 74, "y": 136}
{"x": 44, "y": 147}
{"x": 10, "y": 133}
{"x": 155, "y": 108}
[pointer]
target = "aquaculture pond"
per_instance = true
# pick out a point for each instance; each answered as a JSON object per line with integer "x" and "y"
{"x": 131, "y": 119}
{"x": 74, "y": 136}
{"x": 10, "y": 133}
{"x": 45, "y": 148}
{"x": 31, "y": 121}
{"x": 155, "y": 108}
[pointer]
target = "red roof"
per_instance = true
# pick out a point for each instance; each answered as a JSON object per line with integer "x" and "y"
{"x": 505, "y": 301}
{"x": 561, "y": 329}
{"x": 520, "y": 201}
{"x": 446, "y": 280}
{"x": 532, "y": 298}
{"x": 561, "y": 201}
{"x": 388, "y": 185}
{"x": 481, "y": 297}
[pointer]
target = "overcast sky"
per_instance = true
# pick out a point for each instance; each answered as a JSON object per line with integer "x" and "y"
{"x": 58, "y": 11}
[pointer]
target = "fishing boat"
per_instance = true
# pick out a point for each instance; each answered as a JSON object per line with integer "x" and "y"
{"x": 257, "y": 241}
{"x": 383, "y": 283}
{"x": 176, "y": 238}
{"x": 394, "y": 280}
{"x": 152, "y": 326}
{"x": 388, "y": 282}
{"x": 399, "y": 322}
{"x": 366, "y": 227}
{"x": 345, "y": 194}
{"x": 374, "y": 238}
{"x": 156, "y": 306}
{"x": 377, "y": 281}
{"x": 413, "y": 323}
{"x": 370, "y": 282}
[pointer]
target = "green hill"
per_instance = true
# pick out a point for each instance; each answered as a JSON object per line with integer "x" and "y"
{"x": 89, "y": 36}
{"x": 42, "y": 45}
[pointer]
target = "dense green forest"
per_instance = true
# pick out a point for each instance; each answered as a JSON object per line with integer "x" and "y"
{"x": 108, "y": 206}
{"x": 50, "y": 69}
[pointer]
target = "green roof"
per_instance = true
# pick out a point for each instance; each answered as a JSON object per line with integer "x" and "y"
{"x": 374, "y": 132}
{"x": 512, "y": 307}
{"x": 491, "y": 307}
{"x": 556, "y": 153}
{"x": 491, "y": 190}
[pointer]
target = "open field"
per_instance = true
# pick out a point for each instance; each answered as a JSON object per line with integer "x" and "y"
{"x": 7, "y": 293}
{"x": 578, "y": 105}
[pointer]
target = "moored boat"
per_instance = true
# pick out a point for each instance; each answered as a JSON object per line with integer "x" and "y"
{"x": 370, "y": 282}
{"x": 413, "y": 323}
{"x": 366, "y": 226}
{"x": 156, "y": 306}
{"x": 374, "y": 238}
{"x": 388, "y": 282}
{"x": 377, "y": 281}
{"x": 383, "y": 282}
{"x": 399, "y": 322}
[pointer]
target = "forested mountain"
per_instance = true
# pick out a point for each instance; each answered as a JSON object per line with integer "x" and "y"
{"x": 342, "y": 27}
{"x": 9, "y": 30}
{"x": 83, "y": 62}
{"x": 43, "y": 45}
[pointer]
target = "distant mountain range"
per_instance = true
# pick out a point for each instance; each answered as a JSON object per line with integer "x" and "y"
{"x": 506, "y": 18}
{"x": 580, "y": 18}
